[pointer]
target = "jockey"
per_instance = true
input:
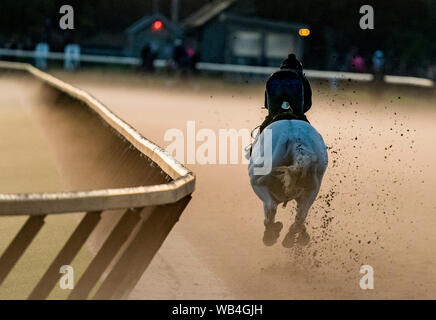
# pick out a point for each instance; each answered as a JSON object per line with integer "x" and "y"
{"x": 287, "y": 90}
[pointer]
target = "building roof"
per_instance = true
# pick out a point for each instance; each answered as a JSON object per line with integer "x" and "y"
{"x": 206, "y": 13}
{"x": 146, "y": 21}
{"x": 261, "y": 22}
{"x": 211, "y": 10}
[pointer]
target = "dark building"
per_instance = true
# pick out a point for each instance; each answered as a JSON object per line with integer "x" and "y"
{"x": 156, "y": 31}
{"x": 229, "y": 32}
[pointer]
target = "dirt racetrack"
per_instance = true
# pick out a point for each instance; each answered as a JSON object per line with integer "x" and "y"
{"x": 376, "y": 206}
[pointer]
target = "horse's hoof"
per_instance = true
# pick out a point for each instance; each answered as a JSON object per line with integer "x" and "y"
{"x": 272, "y": 233}
{"x": 295, "y": 236}
{"x": 289, "y": 240}
{"x": 303, "y": 238}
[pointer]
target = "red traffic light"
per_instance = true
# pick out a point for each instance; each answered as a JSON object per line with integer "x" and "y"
{"x": 157, "y": 25}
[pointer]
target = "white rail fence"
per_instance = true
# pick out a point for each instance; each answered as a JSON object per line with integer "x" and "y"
{"x": 148, "y": 212}
{"x": 225, "y": 68}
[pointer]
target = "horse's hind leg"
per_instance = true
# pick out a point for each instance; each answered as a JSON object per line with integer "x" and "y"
{"x": 272, "y": 228}
{"x": 304, "y": 202}
{"x": 297, "y": 232}
{"x": 302, "y": 210}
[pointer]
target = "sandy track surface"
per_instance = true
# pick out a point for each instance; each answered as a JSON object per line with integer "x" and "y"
{"x": 376, "y": 206}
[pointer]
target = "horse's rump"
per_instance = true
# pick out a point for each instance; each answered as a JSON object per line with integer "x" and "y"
{"x": 298, "y": 157}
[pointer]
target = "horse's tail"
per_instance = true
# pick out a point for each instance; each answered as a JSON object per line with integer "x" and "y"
{"x": 290, "y": 175}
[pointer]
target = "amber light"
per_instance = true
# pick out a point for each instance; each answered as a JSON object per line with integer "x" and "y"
{"x": 304, "y": 32}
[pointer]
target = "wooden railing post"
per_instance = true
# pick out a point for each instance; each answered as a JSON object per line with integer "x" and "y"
{"x": 106, "y": 254}
{"x": 138, "y": 255}
{"x": 20, "y": 243}
{"x": 66, "y": 255}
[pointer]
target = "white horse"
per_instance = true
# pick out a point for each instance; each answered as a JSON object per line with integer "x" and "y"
{"x": 288, "y": 161}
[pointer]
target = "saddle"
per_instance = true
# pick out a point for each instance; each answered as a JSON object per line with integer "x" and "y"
{"x": 284, "y": 115}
